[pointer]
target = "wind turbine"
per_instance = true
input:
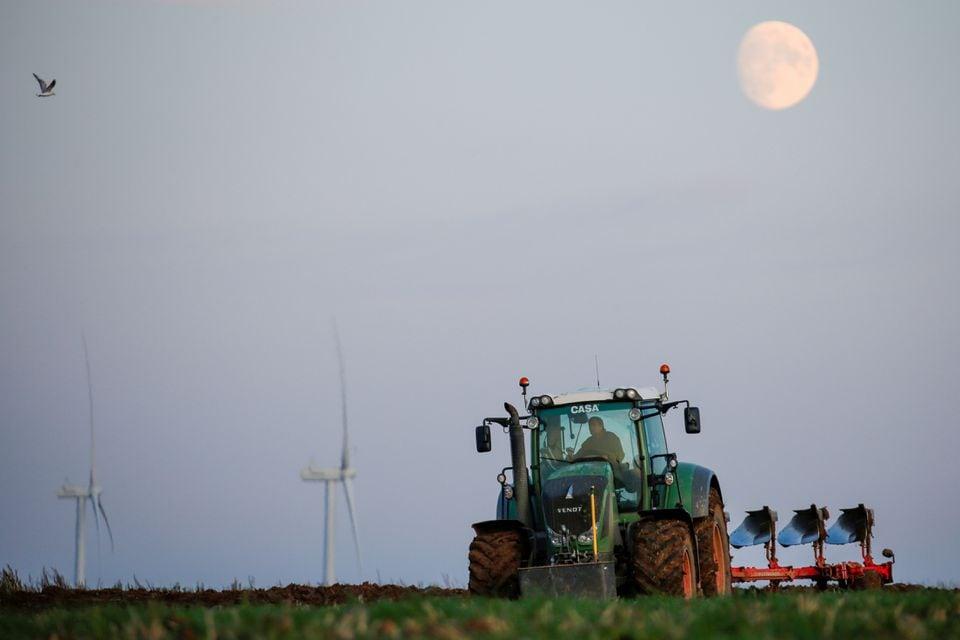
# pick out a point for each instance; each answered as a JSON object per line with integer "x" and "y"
{"x": 81, "y": 494}
{"x": 331, "y": 476}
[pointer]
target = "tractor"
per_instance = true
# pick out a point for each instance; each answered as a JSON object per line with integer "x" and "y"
{"x": 604, "y": 508}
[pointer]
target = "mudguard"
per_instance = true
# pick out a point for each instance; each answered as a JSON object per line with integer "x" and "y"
{"x": 492, "y": 526}
{"x": 693, "y": 483}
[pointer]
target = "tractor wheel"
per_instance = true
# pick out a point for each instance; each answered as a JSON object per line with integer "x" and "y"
{"x": 495, "y": 564}
{"x": 663, "y": 558}
{"x": 713, "y": 543}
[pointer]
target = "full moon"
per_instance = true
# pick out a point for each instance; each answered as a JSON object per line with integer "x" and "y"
{"x": 777, "y": 65}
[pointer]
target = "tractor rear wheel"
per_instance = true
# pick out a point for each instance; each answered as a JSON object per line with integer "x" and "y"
{"x": 495, "y": 564}
{"x": 713, "y": 542}
{"x": 663, "y": 558}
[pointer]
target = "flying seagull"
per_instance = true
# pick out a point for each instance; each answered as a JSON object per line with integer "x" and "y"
{"x": 45, "y": 89}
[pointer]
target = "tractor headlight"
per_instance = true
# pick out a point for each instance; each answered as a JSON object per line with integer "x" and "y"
{"x": 632, "y": 394}
{"x": 501, "y": 478}
{"x": 585, "y": 538}
{"x": 535, "y": 401}
{"x": 533, "y": 422}
{"x": 556, "y": 539}
{"x": 620, "y": 394}
{"x": 635, "y": 414}
{"x": 546, "y": 401}
{"x": 668, "y": 479}
{"x": 508, "y": 492}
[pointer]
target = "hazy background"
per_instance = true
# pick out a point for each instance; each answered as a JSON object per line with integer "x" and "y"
{"x": 477, "y": 191}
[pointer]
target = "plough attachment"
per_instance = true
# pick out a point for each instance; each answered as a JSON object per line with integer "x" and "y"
{"x": 759, "y": 527}
{"x": 853, "y": 525}
{"x": 808, "y": 526}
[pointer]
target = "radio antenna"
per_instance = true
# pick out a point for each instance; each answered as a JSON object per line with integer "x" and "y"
{"x": 596, "y": 363}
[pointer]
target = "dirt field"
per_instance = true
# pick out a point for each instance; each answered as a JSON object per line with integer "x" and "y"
{"x": 54, "y": 596}
{"x": 51, "y": 596}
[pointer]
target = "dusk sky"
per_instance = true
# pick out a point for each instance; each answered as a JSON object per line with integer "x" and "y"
{"x": 476, "y": 191}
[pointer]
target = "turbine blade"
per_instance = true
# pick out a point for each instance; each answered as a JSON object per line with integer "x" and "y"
{"x": 105, "y": 521}
{"x": 348, "y": 489}
{"x": 86, "y": 360}
{"x": 345, "y": 454}
{"x": 96, "y": 520}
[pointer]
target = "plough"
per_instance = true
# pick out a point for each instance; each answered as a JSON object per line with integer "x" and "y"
{"x": 808, "y": 526}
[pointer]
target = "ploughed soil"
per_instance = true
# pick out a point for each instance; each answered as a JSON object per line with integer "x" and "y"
{"x": 58, "y": 596}
{"x": 49, "y": 596}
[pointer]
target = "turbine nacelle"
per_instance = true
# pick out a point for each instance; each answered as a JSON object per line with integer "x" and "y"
{"x": 316, "y": 474}
{"x": 74, "y": 491}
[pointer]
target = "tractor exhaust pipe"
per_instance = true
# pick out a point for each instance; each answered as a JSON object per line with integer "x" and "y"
{"x": 518, "y": 453}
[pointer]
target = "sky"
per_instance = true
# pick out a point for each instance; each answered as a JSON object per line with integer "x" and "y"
{"x": 476, "y": 191}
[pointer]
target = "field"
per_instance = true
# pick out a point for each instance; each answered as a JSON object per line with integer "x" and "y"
{"x": 385, "y": 611}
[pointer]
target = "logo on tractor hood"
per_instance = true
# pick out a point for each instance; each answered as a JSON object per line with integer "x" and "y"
{"x": 584, "y": 408}
{"x": 569, "y": 495}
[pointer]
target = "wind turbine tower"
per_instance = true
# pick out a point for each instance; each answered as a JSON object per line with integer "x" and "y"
{"x": 82, "y": 494}
{"x": 331, "y": 476}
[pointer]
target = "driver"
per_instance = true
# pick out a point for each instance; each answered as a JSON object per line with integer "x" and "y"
{"x": 601, "y": 443}
{"x": 553, "y": 447}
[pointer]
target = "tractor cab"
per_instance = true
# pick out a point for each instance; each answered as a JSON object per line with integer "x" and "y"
{"x": 615, "y": 432}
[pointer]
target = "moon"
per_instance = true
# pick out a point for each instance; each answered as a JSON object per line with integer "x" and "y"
{"x": 777, "y": 64}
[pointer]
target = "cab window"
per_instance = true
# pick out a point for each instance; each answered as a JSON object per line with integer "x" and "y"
{"x": 655, "y": 438}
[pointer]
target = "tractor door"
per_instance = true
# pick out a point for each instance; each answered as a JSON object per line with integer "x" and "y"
{"x": 654, "y": 447}
{"x": 654, "y": 440}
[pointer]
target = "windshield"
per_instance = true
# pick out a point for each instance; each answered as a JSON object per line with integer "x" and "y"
{"x": 589, "y": 431}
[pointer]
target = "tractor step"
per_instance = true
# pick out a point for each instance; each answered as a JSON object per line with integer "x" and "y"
{"x": 808, "y": 526}
{"x": 587, "y": 580}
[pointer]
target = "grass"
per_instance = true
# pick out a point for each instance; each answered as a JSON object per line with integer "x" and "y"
{"x": 926, "y": 613}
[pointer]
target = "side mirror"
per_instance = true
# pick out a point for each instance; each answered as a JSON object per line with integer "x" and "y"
{"x": 483, "y": 438}
{"x": 888, "y": 553}
{"x": 691, "y": 419}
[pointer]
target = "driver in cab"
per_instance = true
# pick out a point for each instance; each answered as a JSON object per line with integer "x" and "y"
{"x": 601, "y": 443}
{"x": 552, "y": 448}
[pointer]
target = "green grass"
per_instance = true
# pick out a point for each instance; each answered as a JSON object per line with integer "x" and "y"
{"x": 929, "y": 613}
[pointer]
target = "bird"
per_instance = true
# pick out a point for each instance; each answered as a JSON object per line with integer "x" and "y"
{"x": 45, "y": 89}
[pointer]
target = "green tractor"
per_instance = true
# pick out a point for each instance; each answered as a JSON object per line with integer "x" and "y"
{"x": 604, "y": 508}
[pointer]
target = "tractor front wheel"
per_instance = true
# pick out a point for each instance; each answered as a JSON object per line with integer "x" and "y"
{"x": 713, "y": 543}
{"x": 495, "y": 564}
{"x": 663, "y": 558}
